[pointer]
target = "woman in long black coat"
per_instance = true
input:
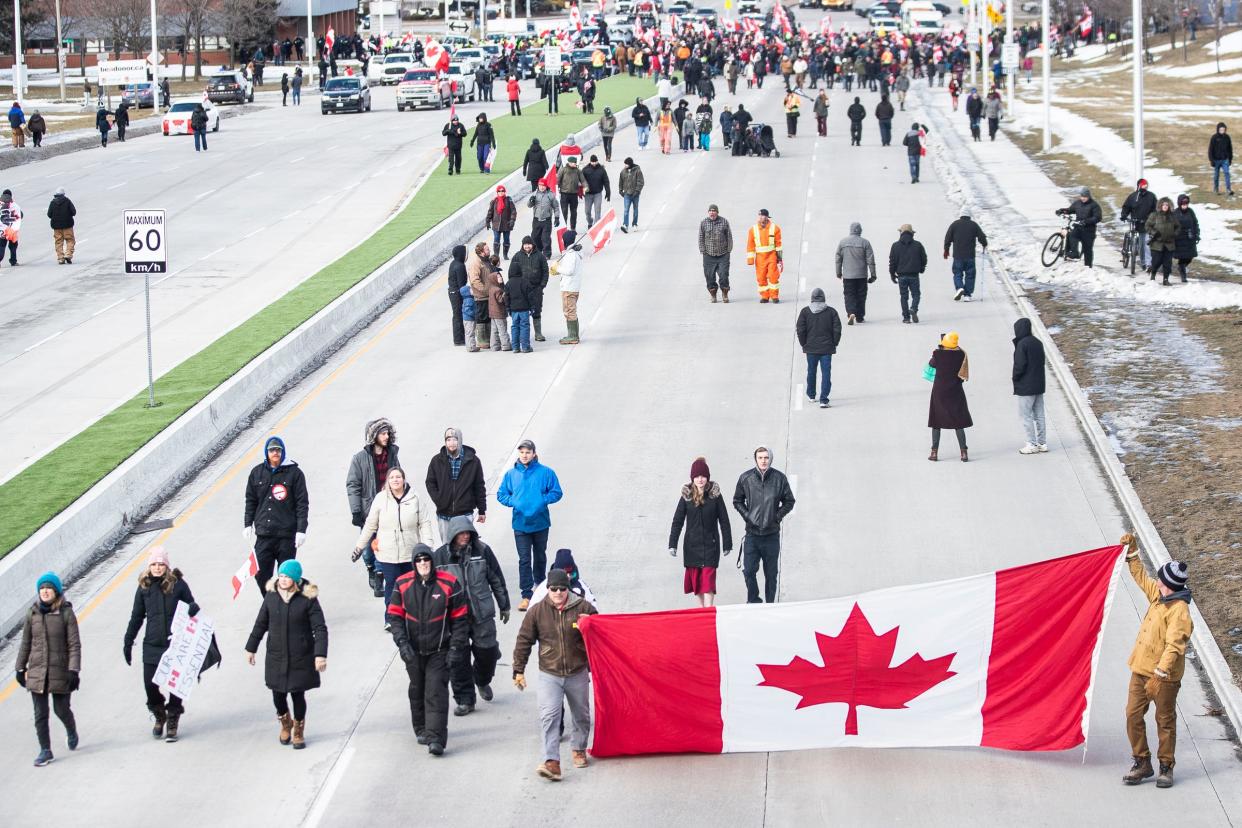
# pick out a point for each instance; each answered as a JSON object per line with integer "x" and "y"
{"x": 535, "y": 164}
{"x": 160, "y": 589}
{"x": 297, "y": 646}
{"x": 948, "y": 396}
{"x": 1186, "y": 248}
{"x": 703, "y": 512}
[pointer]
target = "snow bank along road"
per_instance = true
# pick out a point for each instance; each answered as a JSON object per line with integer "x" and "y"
{"x": 661, "y": 377}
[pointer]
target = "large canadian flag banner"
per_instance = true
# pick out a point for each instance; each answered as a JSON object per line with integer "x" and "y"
{"x": 1003, "y": 660}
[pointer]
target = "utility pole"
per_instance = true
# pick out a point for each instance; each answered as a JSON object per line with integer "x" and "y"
{"x": 155, "y": 53}
{"x": 61, "y": 57}
{"x": 972, "y": 36}
{"x": 1136, "y": 62}
{"x": 312, "y": 45}
{"x": 19, "y": 74}
{"x": 1013, "y": 70}
{"x": 985, "y": 41}
{"x": 1046, "y": 71}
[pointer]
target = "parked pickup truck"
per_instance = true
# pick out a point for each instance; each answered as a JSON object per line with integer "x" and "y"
{"x": 419, "y": 87}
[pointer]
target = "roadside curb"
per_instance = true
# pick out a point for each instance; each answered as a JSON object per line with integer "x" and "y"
{"x": 99, "y": 520}
{"x": 1211, "y": 660}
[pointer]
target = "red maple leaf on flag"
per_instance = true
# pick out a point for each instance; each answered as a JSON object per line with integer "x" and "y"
{"x": 856, "y": 672}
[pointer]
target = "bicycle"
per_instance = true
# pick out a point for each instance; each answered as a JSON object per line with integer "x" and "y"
{"x": 1054, "y": 247}
{"x": 1132, "y": 247}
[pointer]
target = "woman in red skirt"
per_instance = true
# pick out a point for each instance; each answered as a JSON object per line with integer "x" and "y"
{"x": 701, "y": 509}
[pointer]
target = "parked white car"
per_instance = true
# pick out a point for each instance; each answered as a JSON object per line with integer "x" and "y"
{"x": 177, "y": 118}
{"x": 396, "y": 64}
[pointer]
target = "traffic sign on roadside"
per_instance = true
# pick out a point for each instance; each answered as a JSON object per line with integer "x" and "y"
{"x": 551, "y": 60}
{"x": 1009, "y": 56}
{"x": 155, "y": 58}
{"x": 145, "y": 250}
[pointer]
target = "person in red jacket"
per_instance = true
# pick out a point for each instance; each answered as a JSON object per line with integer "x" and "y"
{"x": 515, "y": 91}
{"x": 429, "y": 617}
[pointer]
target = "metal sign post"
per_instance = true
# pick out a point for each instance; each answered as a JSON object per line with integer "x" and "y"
{"x": 146, "y": 253}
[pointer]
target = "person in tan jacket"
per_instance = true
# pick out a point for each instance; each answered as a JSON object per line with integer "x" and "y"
{"x": 399, "y": 522}
{"x": 478, "y": 267}
{"x": 1157, "y": 664}
{"x": 563, "y": 672}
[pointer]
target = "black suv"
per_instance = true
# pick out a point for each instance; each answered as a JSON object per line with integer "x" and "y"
{"x": 345, "y": 94}
{"x": 229, "y": 87}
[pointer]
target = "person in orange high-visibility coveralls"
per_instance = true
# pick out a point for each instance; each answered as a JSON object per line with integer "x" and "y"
{"x": 764, "y": 251}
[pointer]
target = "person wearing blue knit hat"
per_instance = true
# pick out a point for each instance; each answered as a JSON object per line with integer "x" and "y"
{"x": 49, "y": 660}
{"x": 297, "y": 638}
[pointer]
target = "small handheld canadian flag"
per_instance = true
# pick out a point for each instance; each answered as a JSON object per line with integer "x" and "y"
{"x": 248, "y": 570}
{"x": 603, "y": 230}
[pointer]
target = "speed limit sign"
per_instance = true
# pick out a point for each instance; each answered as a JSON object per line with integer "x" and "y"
{"x": 145, "y": 242}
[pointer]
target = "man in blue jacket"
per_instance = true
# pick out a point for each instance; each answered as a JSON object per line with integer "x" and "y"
{"x": 529, "y": 488}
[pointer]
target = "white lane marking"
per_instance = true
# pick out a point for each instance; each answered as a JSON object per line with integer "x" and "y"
{"x": 254, "y": 232}
{"x": 114, "y": 186}
{"x": 329, "y": 788}
{"x": 663, "y": 207}
{"x": 254, "y": 175}
{"x": 212, "y": 253}
{"x": 808, "y": 216}
{"x": 334, "y": 146}
{"x": 793, "y": 483}
{"x": 810, "y": 193}
{"x": 204, "y": 195}
{"x": 595, "y": 316}
{"x": 799, "y": 396}
{"x": 299, "y": 158}
{"x": 402, "y": 162}
{"x": 42, "y": 341}
{"x": 805, "y": 247}
{"x": 322, "y": 200}
{"x": 376, "y": 174}
{"x": 173, "y": 167}
{"x": 291, "y": 215}
{"x": 621, "y": 272}
{"x": 802, "y": 285}
{"x": 109, "y": 307}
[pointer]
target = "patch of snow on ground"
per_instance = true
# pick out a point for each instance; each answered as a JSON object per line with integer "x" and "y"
{"x": 1231, "y": 42}
{"x": 1199, "y": 70}
{"x": 1220, "y": 79}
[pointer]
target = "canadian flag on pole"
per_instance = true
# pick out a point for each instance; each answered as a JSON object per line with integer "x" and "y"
{"x": 1003, "y": 660}
{"x": 1086, "y": 23}
{"x": 435, "y": 56}
{"x": 575, "y": 17}
{"x": 248, "y": 570}
{"x": 603, "y": 230}
{"x": 329, "y": 39}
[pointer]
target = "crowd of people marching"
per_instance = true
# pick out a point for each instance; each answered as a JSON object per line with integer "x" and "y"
{"x": 442, "y": 586}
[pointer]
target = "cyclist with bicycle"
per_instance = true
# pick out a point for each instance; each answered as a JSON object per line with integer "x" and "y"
{"x": 1137, "y": 207}
{"x": 1086, "y": 213}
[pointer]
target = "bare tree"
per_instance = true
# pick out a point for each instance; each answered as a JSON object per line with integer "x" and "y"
{"x": 33, "y": 13}
{"x": 248, "y": 23}
{"x": 192, "y": 17}
{"x": 123, "y": 21}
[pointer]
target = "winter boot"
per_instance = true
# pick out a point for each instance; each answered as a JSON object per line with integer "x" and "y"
{"x": 934, "y": 456}
{"x": 299, "y": 734}
{"x": 1165, "y": 779}
{"x": 538, "y": 329}
{"x": 170, "y": 734}
{"x": 580, "y": 759}
{"x": 712, "y": 291}
{"x": 375, "y": 579}
{"x": 1139, "y": 771}
{"x": 965, "y": 457}
{"x": 157, "y": 731}
{"x": 286, "y": 728}
{"x": 571, "y": 338}
{"x": 725, "y": 291}
{"x": 549, "y": 770}
{"x": 506, "y": 252}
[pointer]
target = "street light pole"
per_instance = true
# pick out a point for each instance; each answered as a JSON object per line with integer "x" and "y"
{"x": 985, "y": 41}
{"x": 1046, "y": 71}
{"x": 19, "y": 79}
{"x": 1013, "y": 70}
{"x": 312, "y": 46}
{"x": 61, "y": 57}
{"x": 972, "y": 36}
{"x": 1137, "y": 65}
{"x": 155, "y": 49}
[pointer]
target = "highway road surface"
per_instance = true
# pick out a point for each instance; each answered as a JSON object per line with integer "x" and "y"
{"x": 661, "y": 377}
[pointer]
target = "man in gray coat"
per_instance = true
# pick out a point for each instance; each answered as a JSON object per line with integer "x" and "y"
{"x": 368, "y": 470}
{"x": 855, "y": 269}
{"x": 471, "y": 561}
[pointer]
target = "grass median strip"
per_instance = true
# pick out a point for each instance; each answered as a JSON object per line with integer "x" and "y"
{"x": 46, "y": 487}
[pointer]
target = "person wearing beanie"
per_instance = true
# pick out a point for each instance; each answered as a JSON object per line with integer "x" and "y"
{"x": 545, "y": 215}
{"x": 907, "y": 259}
{"x": 10, "y": 226}
{"x": 764, "y": 498}
{"x": 960, "y": 239}
{"x": 429, "y": 615}
{"x": 607, "y": 130}
{"x": 483, "y": 140}
{"x": 819, "y": 332}
{"x": 948, "y": 409}
{"x": 297, "y": 647}
{"x": 913, "y": 142}
{"x": 456, "y": 483}
{"x": 61, "y": 212}
{"x": 1162, "y": 229}
{"x": 564, "y": 560}
{"x": 461, "y": 301}
{"x": 716, "y": 245}
{"x": 472, "y": 562}
{"x": 454, "y": 133}
{"x": 564, "y": 677}
{"x": 1028, "y": 386}
{"x": 160, "y": 589}
{"x": 702, "y": 511}
{"x": 1136, "y": 209}
{"x": 277, "y": 510}
{"x": 598, "y": 190}
{"x": 1086, "y": 211}
{"x": 529, "y": 488}
{"x": 528, "y": 276}
{"x": 569, "y": 268}
{"x": 368, "y": 469}
{"x": 571, "y": 184}
{"x": 49, "y": 660}
{"x": 630, "y": 184}
{"x": 1157, "y": 664}
{"x": 396, "y": 522}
